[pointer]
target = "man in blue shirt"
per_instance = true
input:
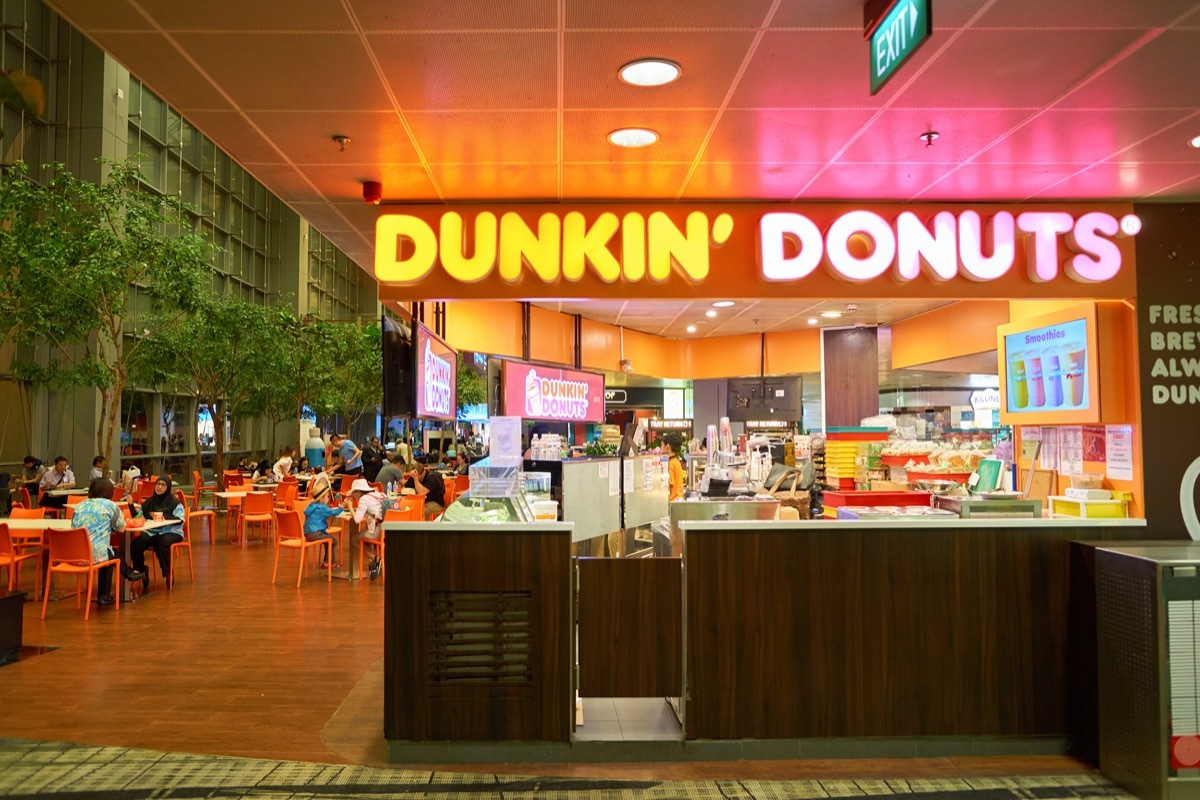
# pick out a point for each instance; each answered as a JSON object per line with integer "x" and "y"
{"x": 350, "y": 453}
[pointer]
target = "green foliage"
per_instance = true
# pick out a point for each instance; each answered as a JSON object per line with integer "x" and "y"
{"x": 472, "y": 388}
{"x": 72, "y": 253}
{"x": 355, "y": 353}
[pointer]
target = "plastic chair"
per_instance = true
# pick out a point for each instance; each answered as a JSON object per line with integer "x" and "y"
{"x": 144, "y": 489}
{"x": 347, "y": 482}
{"x": 196, "y": 512}
{"x": 11, "y": 558}
{"x": 461, "y": 484}
{"x": 186, "y": 544}
{"x": 291, "y": 536}
{"x": 285, "y": 496}
{"x": 231, "y": 477}
{"x": 233, "y": 506}
{"x": 450, "y": 494}
{"x": 25, "y": 499}
{"x": 118, "y": 493}
{"x": 377, "y": 486}
{"x": 258, "y": 508}
{"x": 71, "y": 554}
{"x": 52, "y": 513}
{"x": 75, "y": 499}
{"x": 19, "y": 512}
{"x": 199, "y": 484}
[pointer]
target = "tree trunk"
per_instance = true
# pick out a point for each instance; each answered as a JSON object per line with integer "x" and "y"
{"x": 217, "y": 411}
{"x": 110, "y": 401}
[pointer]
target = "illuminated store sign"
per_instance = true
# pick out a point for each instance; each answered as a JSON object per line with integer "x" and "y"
{"x": 436, "y": 377}
{"x": 429, "y": 252}
{"x": 533, "y": 391}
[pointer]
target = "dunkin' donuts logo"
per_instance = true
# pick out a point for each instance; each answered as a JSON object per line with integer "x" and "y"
{"x": 555, "y": 397}
{"x": 437, "y": 383}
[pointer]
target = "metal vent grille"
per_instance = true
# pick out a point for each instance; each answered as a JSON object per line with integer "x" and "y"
{"x": 1130, "y": 734}
{"x": 480, "y": 638}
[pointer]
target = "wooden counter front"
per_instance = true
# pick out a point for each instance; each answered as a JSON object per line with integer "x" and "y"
{"x": 865, "y": 629}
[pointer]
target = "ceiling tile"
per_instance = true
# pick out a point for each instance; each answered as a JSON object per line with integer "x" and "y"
{"x": 286, "y": 182}
{"x": 259, "y": 15}
{"x": 809, "y": 69}
{"x": 1172, "y": 144}
{"x": 497, "y": 181}
{"x": 438, "y": 15}
{"x": 849, "y": 15}
{"x": 1023, "y": 68}
{"x": 680, "y": 135}
{"x": 1152, "y": 77}
{"x": 376, "y": 137}
{"x": 233, "y": 134}
{"x": 710, "y": 60}
{"x": 775, "y": 136}
{"x": 760, "y": 181}
{"x": 182, "y": 85}
{"x": 327, "y": 71}
{"x": 635, "y": 14}
{"x": 895, "y": 135}
{"x": 1114, "y": 181}
{"x": 362, "y": 216}
{"x": 469, "y": 70}
{"x": 877, "y": 181}
{"x": 1188, "y": 189}
{"x": 649, "y": 181}
{"x": 91, "y": 16}
{"x": 324, "y": 217}
{"x": 401, "y": 182}
{"x": 1013, "y": 182}
{"x": 454, "y": 137}
{"x": 1078, "y": 136}
{"x": 1040, "y": 14}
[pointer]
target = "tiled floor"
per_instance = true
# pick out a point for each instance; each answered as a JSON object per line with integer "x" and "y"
{"x": 627, "y": 719}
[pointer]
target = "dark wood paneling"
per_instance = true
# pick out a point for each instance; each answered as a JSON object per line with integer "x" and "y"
{"x": 831, "y": 632}
{"x": 630, "y": 627}
{"x": 418, "y": 563}
{"x": 851, "y": 375}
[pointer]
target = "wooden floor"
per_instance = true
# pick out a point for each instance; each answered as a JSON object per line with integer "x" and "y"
{"x": 233, "y": 665}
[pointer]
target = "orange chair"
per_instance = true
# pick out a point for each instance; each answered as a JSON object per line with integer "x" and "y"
{"x": 450, "y": 494}
{"x": 291, "y": 536}
{"x": 75, "y": 499}
{"x": 71, "y": 554}
{"x": 233, "y": 506}
{"x": 290, "y": 479}
{"x": 27, "y": 539}
{"x": 285, "y": 496}
{"x": 196, "y": 512}
{"x": 143, "y": 489}
{"x": 258, "y": 508}
{"x": 198, "y": 483}
{"x": 231, "y": 477}
{"x": 19, "y": 512}
{"x": 25, "y": 499}
{"x": 461, "y": 484}
{"x": 52, "y": 513}
{"x": 377, "y": 486}
{"x": 118, "y": 493}
{"x": 12, "y": 558}
{"x": 126, "y": 513}
{"x": 347, "y": 482}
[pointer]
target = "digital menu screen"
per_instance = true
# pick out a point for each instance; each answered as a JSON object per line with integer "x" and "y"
{"x": 532, "y": 391}
{"x": 437, "y": 375}
{"x": 1047, "y": 368}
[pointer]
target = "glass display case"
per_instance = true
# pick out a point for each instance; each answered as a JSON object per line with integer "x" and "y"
{"x": 499, "y": 494}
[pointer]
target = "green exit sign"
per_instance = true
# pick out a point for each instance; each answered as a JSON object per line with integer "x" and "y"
{"x": 897, "y": 36}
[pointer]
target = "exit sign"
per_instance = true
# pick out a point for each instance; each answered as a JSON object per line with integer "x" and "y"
{"x": 896, "y": 37}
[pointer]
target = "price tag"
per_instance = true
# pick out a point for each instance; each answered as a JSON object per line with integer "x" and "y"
{"x": 974, "y": 479}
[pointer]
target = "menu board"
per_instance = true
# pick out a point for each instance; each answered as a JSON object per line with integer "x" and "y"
{"x": 545, "y": 393}
{"x": 1047, "y": 368}
{"x": 437, "y": 375}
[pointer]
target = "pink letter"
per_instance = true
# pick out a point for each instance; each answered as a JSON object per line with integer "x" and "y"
{"x": 1099, "y": 259}
{"x": 845, "y": 264}
{"x": 1042, "y": 253}
{"x": 776, "y": 228}
{"x": 916, "y": 245}
{"x": 972, "y": 239}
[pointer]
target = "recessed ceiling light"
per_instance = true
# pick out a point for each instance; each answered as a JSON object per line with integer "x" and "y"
{"x": 691, "y": 328}
{"x": 813, "y": 320}
{"x": 831, "y": 314}
{"x": 633, "y": 137}
{"x": 710, "y": 313}
{"x": 649, "y": 72}
{"x": 723, "y": 304}
{"x": 1195, "y": 142}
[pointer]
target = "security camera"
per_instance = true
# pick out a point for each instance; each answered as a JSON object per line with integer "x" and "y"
{"x": 851, "y": 307}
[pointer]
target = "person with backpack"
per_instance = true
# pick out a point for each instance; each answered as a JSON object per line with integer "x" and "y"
{"x": 368, "y": 516}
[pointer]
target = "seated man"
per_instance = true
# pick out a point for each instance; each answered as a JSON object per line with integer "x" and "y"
{"x": 99, "y": 468}
{"x": 392, "y": 473}
{"x": 430, "y": 484}
{"x": 58, "y": 478}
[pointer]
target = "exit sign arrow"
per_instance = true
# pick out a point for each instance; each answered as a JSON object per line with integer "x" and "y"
{"x": 898, "y": 34}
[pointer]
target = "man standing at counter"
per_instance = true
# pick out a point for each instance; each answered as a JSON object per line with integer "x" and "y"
{"x": 430, "y": 484}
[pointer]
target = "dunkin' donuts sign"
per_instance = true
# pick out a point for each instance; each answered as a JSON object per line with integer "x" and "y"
{"x": 437, "y": 373}
{"x": 556, "y": 395}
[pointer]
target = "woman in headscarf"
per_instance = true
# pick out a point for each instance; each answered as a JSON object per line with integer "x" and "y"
{"x": 161, "y": 505}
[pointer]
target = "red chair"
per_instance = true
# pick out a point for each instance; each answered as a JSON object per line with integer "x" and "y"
{"x": 199, "y": 487}
{"x": 258, "y": 508}
{"x": 291, "y": 536}
{"x": 118, "y": 492}
{"x": 144, "y": 489}
{"x": 231, "y": 477}
{"x": 71, "y": 554}
{"x": 461, "y": 484}
{"x": 12, "y": 559}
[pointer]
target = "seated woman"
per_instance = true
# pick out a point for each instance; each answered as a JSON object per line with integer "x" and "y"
{"x": 264, "y": 472}
{"x": 301, "y": 467}
{"x": 160, "y": 505}
{"x": 102, "y": 518}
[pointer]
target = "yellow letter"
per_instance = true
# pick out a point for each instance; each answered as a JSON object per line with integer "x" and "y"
{"x": 579, "y": 243}
{"x": 458, "y": 266}
{"x": 390, "y": 232}
{"x": 667, "y": 244}
{"x": 518, "y": 245}
{"x": 633, "y": 246}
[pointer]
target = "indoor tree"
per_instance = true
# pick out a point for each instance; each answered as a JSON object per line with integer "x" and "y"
{"x": 356, "y": 371}
{"x": 87, "y": 266}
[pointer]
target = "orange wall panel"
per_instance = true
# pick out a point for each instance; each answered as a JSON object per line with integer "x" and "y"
{"x": 551, "y": 336}
{"x": 790, "y": 352}
{"x": 962, "y": 329}
{"x": 1024, "y": 309}
{"x": 484, "y": 327}
{"x": 601, "y": 346}
{"x": 652, "y": 355}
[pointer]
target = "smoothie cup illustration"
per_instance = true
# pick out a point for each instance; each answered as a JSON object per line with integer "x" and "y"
{"x": 1033, "y": 367}
{"x": 1019, "y": 388}
{"x": 1075, "y": 368}
{"x": 533, "y": 394}
{"x": 1053, "y": 367}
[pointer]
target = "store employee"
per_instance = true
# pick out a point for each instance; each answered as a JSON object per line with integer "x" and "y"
{"x": 674, "y": 443}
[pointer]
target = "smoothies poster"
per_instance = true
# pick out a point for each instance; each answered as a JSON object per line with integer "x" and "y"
{"x": 1047, "y": 368}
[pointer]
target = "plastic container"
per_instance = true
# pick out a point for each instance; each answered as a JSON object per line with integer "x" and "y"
{"x": 545, "y": 510}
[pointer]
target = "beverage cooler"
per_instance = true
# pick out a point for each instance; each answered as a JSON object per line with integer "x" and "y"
{"x": 1148, "y": 629}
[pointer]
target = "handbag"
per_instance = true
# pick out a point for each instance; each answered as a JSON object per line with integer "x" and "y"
{"x": 787, "y": 491}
